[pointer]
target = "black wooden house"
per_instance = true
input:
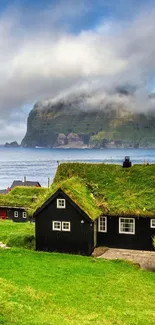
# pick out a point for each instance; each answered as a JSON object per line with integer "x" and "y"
{"x": 15, "y": 204}
{"x": 98, "y": 205}
{"x": 61, "y": 225}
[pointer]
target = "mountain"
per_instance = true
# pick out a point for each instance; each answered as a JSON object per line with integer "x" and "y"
{"x": 13, "y": 144}
{"x": 75, "y": 122}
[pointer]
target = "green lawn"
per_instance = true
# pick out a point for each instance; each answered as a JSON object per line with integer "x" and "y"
{"x": 17, "y": 234}
{"x": 39, "y": 288}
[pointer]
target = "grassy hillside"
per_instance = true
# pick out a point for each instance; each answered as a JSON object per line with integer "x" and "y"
{"x": 95, "y": 128}
{"x": 44, "y": 288}
{"x": 16, "y": 234}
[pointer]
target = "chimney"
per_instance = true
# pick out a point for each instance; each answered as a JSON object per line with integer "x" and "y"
{"x": 127, "y": 163}
{"x": 24, "y": 179}
{"x": 48, "y": 182}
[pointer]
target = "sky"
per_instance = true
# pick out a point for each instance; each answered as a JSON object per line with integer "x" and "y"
{"x": 51, "y": 48}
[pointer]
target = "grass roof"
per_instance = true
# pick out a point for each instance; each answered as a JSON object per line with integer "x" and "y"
{"x": 106, "y": 189}
{"x": 21, "y": 196}
{"x": 117, "y": 190}
{"x": 78, "y": 191}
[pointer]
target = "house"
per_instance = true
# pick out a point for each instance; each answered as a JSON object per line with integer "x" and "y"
{"x": 24, "y": 183}
{"x": 93, "y": 205}
{"x": 17, "y": 214}
{"x": 15, "y": 204}
{"x": 18, "y": 183}
{"x": 61, "y": 225}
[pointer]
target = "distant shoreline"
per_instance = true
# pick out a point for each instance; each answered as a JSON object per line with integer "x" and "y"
{"x": 67, "y": 147}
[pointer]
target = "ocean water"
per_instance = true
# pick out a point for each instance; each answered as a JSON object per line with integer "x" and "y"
{"x": 40, "y": 163}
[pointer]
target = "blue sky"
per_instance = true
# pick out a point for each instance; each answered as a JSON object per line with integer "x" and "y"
{"x": 89, "y": 12}
{"x": 49, "y": 49}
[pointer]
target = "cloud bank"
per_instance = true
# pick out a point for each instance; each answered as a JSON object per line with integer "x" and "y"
{"x": 42, "y": 57}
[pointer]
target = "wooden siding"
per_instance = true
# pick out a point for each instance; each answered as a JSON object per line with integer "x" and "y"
{"x": 79, "y": 240}
{"x": 20, "y": 215}
{"x": 141, "y": 240}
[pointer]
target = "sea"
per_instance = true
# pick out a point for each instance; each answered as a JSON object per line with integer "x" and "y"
{"x": 40, "y": 164}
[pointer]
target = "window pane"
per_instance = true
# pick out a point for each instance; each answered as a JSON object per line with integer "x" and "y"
{"x": 126, "y": 225}
{"x": 56, "y": 225}
{"x": 24, "y": 215}
{"x": 66, "y": 226}
{"x": 153, "y": 223}
{"x": 61, "y": 203}
{"x": 103, "y": 224}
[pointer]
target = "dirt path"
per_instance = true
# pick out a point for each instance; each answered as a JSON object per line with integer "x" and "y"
{"x": 146, "y": 259}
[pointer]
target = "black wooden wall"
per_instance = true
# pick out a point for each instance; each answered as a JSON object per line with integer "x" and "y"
{"x": 79, "y": 240}
{"x": 20, "y": 218}
{"x": 142, "y": 239}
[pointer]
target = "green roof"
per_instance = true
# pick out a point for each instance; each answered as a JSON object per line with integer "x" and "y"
{"x": 106, "y": 188}
{"x": 77, "y": 190}
{"x": 21, "y": 196}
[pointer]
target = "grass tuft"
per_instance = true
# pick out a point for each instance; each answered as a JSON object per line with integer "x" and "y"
{"x": 17, "y": 234}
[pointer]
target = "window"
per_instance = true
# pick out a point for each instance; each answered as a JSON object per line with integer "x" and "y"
{"x": 24, "y": 215}
{"x": 126, "y": 226}
{"x": 56, "y": 225}
{"x": 102, "y": 224}
{"x": 66, "y": 226}
{"x": 152, "y": 223}
{"x": 61, "y": 203}
{"x": 16, "y": 214}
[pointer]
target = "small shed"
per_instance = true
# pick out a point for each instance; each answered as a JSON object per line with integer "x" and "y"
{"x": 15, "y": 204}
{"x": 17, "y": 214}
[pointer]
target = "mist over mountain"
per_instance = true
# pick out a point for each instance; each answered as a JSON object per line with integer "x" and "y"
{"x": 93, "y": 119}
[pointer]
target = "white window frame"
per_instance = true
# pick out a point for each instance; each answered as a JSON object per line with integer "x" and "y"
{"x": 69, "y": 228}
{"x": 99, "y": 224}
{"x": 15, "y": 214}
{"x": 59, "y": 206}
{"x": 24, "y": 214}
{"x": 54, "y": 227}
{"x": 126, "y": 232}
{"x": 151, "y": 223}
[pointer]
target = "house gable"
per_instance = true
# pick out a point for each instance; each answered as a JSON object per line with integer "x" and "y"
{"x": 61, "y": 194}
{"x": 62, "y": 229}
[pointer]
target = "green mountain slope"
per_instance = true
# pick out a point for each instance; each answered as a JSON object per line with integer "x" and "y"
{"x": 63, "y": 124}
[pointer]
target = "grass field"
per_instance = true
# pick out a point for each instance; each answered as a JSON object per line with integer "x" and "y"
{"x": 39, "y": 288}
{"x": 16, "y": 234}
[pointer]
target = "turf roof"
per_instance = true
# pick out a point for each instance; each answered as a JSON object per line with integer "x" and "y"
{"x": 21, "y": 196}
{"x": 106, "y": 189}
{"x": 77, "y": 190}
{"x": 117, "y": 190}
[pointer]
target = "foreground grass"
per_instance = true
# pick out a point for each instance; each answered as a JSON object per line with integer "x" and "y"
{"x": 39, "y": 288}
{"x": 16, "y": 234}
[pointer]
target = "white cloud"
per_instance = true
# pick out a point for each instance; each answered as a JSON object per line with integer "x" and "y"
{"x": 44, "y": 60}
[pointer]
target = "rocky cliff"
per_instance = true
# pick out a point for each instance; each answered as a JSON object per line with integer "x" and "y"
{"x": 72, "y": 124}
